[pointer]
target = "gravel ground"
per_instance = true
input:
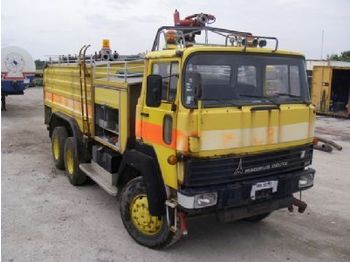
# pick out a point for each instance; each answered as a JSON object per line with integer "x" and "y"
{"x": 44, "y": 218}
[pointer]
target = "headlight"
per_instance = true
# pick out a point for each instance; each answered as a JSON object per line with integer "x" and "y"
{"x": 205, "y": 200}
{"x": 197, "y": 201}
{"x": 306, "y": 180}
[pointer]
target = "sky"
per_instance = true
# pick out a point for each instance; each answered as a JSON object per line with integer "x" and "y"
{"x": 53, "y": 27}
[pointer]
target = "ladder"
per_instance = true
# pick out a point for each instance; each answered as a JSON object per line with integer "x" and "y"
{"x": 83, "y": 73}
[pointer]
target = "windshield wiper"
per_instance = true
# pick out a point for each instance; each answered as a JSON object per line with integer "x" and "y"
{"x": 215, "y": 102}
{"x": 294, "y": 97}
{"x": 286, "y": 94}
{"x": 252, "y": 96}
{"x": 261, "y": 97}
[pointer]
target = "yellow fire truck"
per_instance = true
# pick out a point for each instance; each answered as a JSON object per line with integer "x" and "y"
{"x": 193, "y": 128}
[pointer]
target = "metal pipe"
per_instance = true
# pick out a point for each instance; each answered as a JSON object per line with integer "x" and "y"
{"x": 330, "y": 142}
{"x": 298, "y": 203}
{"x": 323, "y": 147}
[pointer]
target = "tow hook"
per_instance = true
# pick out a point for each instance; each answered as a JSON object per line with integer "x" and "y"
{"x": 183, "y": 224}
{"x": 179, "y": 217}
{"x": 298, "y": 203}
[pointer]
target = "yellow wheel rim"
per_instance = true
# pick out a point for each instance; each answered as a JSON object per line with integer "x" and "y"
{"x": 142, "y": 219}
{"x": 56, "y": 148}
{"x": 70, "y": 162}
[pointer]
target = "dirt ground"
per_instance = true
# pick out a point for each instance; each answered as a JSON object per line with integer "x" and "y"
{"x": 44, "y": 218}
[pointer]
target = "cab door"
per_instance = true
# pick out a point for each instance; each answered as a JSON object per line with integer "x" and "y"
{"x": 158, "y": 123}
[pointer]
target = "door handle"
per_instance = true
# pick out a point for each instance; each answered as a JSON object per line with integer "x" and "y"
{"x": 144, "y": 114}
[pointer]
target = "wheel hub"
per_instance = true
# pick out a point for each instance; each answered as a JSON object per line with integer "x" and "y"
{"x": 142, "y": 219}
{"x": 56, "y": 148}
{"x": 70, "y": 162}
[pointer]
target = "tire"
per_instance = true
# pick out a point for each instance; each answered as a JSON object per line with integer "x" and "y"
{"x": 134, "y": 210}
{"x": 58, "y": 139}
{"x": 257, "y": 218}
{"x": 71, "y": 162}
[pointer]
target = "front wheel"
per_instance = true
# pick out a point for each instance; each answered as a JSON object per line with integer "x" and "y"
{"x": 145, "y": 229}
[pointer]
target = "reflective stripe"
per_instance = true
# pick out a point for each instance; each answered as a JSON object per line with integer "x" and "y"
{"x": 236, "y": 138}
{"x": 65, "y": 102}
{"x": 154, "y": 133}
{"x": 227, "y": 138}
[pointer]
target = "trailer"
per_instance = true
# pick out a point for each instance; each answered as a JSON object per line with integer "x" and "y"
{"x": 192, "y": 128}
{"x": 17, "y": 72}
{"x": 330, "y": 87}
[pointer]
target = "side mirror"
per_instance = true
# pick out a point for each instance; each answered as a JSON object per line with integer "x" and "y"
{"x": 154, "y": 90}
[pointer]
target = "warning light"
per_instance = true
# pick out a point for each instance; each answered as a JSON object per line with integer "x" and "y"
{"x": 105, "y": 44}
{"x": 170, "y": 37}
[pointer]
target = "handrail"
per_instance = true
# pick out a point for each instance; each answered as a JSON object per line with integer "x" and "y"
{"x": 83, "y": 89}
{"x": 71, "y": 60}
{"x": 125, "y": 70}
{"x": 184, "y": 31}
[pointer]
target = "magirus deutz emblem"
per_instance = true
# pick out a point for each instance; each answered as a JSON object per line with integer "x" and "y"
{"x": 239, "y": 170}
{"x": 255, "y": 169}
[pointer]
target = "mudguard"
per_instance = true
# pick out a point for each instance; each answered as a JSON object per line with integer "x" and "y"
{"x": 147, "y": 165}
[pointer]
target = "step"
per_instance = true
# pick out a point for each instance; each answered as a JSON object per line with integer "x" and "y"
{"x": 102, "y": 177}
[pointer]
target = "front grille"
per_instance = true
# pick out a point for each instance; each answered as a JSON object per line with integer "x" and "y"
{"x": 221, "y": 170}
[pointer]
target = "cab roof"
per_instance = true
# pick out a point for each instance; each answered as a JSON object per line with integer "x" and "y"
{"x": 168, "y": 53}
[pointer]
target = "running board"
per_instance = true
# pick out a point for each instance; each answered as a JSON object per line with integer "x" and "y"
{"x": 102, "y": 177}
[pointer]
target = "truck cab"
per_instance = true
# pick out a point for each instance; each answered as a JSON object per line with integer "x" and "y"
{"x": 232, "y": 128}
{"x": 222, "y": 107}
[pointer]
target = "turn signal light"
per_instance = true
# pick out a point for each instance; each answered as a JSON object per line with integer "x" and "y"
{"x": 172, "y": 160}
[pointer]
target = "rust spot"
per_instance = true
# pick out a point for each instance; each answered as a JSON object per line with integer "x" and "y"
{"x": 257, "y": 142}
{"x": 228, "y": 138}
{"x": 270, "y": 135}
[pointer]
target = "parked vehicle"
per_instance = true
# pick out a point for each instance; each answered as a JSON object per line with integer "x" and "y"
{"x": 17, "y": 71}
{"x": 193, "y": 128}
{"x": 330, "y": 87}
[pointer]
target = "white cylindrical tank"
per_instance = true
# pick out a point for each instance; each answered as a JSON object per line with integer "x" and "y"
{"x": 17, "y": 71}
{"x": 16, "y": 64}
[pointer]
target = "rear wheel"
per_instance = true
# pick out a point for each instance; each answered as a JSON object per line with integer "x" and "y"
{"x": 71, "y": 161}
{"x": 257, "y": 218}
{"x": 147, "y": 230}
{"x": 58, "y": 139}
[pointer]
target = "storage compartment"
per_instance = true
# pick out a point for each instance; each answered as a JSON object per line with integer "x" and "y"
{"x": 107, "y": 124}
{"x": 107, "y": 118}
{"x": 106, "y": 158}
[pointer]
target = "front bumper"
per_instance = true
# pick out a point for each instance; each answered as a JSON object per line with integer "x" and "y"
{"x": 236, "y": 198}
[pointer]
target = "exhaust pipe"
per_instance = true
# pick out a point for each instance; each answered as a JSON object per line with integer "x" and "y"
{"x": 298, "y": 203}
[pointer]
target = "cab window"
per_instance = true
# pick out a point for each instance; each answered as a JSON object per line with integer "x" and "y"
{"x": 169, "y": 72}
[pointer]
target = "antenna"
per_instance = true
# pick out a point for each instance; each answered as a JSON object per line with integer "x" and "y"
{"x": 322, "y": 42}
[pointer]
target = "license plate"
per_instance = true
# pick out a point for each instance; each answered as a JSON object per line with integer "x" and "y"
{"x": 26, "y": 80}
{"x": 263, "y": 186}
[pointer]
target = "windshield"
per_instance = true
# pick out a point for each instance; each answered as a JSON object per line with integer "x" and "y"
{"x": 232, "y": 79}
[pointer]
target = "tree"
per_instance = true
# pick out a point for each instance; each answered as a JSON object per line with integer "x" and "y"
{"x": 344, "y": 56}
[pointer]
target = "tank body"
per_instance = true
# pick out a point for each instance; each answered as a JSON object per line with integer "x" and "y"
{"x": 17, "y": 70}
